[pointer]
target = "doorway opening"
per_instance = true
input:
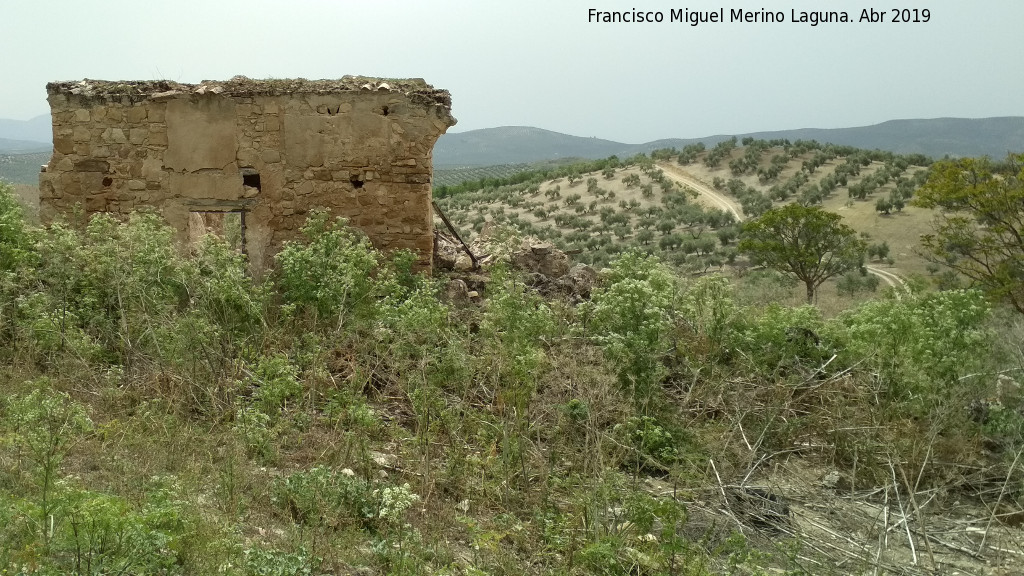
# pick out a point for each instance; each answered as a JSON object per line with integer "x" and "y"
{"x": 227, "y": 224}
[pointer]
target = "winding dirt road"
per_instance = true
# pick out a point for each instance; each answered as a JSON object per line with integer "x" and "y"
{"x": 888, "y": 277}
{"x": 688, "y": 180}
{"x": 723, "y": 202}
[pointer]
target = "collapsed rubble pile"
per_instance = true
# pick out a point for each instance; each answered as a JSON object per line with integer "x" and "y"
{"x": 545, "y": 268}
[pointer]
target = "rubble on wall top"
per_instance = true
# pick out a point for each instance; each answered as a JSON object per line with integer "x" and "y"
{"x": 415, "y": 88}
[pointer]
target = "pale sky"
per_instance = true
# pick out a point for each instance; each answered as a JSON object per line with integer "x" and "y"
{"x": 540, "y": 63}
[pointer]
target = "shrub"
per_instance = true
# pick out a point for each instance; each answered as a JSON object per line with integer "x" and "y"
{"x": 919, "y": 344}
{"x": 327, "y": 274}
{"x": 321, "y": 496}
{"x": 780, "y": 337}
{"x": 515, "y": 324}
{"x": 43, "y": 425}
{"x": 653, "y": 447}
{"x": 15, "y": 237}
{"x": 115, "y": 281}
{"x": 630, "y": 318}
{"x": 221, "y": 289}
{"x": 274, "y": 381}
{"x": 261, "y": 561}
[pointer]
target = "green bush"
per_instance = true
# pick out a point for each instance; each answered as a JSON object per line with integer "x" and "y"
{"x": 321, "y": 496}
{"x": 274, "y": 381}
{"x": 515, "y": 325}
{"x": 920, "y": 344}
{"x": 630, "y": 318}
{"x": 653, "y": 448}
{"x": 328, "y": 274}
{"x": 221, "y": 289}
{"x": 43, "y": 425}
{"x": 261, "y": 561}
{"x": 706, "y": 312}
{"x": 16, "y": 239}
{"x": 780, "y": 337}
{"x": 16, "y": 254}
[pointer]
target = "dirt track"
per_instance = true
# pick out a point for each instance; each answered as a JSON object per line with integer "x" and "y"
{"x": 718, "y": 200}
{"x": 730, "y": 205}
{"x": 889, "y": 278}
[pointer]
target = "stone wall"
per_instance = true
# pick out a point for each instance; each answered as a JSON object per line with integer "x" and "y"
{"x": 268, "y": 149}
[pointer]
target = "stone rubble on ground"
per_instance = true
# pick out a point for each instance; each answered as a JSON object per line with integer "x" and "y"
{"x": 545, "y": 268}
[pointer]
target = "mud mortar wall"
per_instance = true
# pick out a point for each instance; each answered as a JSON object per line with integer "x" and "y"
{"x": 364, "y": 154}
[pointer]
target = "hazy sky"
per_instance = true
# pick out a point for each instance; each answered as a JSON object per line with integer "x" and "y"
{"x": 540, "y": 63}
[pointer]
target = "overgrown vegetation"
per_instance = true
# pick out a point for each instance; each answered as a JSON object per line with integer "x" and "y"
{"x": 979, "y": 231}
{"x": 166, "y": 413}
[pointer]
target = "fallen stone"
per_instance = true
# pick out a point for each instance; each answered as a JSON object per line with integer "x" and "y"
{"x": 463, "y": 263}
{"x": 542, "y": 258}
{"x": 164, "y": 95}
{"x": 457, "y": 292}
{"x": 382, "y": 459}
{"x": 579, "y": 281}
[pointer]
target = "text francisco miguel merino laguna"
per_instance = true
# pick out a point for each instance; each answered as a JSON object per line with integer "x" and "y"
{"x": 813, "y": 17}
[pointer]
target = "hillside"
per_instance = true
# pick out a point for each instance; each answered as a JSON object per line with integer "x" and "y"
{"x": 684, "y": 206}
{"x": 24, "y": 147}
{"x": 165, "y": 412}
{"x": 8, "y": 146}
{"x": 22, "y": 168}
{"x": 38, "y": 129}
{"x": 934, "y": 137}
{"x": 957, "y": 137}
{"x": 522, "y": 144}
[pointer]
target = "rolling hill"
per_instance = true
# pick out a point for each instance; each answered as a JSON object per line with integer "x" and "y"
{"x": 686, "y": 210}
{"x": 934, "y": 137}
{"x": 9, "y": 146}
{"x": 524, "y": 144}
{"x": 36, "y": 130}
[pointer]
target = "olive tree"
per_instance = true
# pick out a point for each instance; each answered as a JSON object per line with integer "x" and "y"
{"x": 979, "y": 227}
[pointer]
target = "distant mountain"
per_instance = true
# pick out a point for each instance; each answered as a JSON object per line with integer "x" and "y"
{"x": 38, "y": 129}
{"x": 522, "y": 144}
{"x": 22, "y": 146}
{"x": 936, "y": 137}
{"x": 517, "y": 144}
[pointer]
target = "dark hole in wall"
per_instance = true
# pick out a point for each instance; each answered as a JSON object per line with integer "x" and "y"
{"x": 385, "y": 111}
{"x": 251, "y": 178}
{"x": 356, "y": 182}
{"x": 107, "y": 181}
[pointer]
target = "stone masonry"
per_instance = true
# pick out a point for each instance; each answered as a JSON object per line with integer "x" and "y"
{"x": 268, "y": 150}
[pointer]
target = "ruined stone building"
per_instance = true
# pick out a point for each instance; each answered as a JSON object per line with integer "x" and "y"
{"x": 258, "y": 153}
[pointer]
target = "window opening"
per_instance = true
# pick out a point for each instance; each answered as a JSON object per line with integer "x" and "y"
{"x": 227, "y": 224}
{"x": 251, "y": 178}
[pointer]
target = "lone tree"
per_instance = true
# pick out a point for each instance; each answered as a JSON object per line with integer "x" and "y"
{"x": 808, "y": 242}
{"x": 979, "y": 228}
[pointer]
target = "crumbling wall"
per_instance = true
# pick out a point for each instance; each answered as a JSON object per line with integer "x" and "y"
{"x": 270, "y": 150}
